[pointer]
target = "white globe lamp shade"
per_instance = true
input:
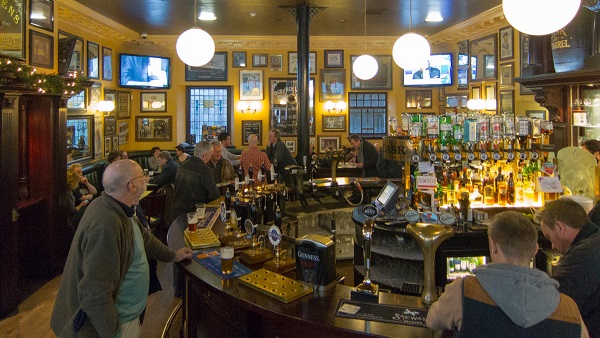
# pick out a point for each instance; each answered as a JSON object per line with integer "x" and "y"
{"x": 539, "y": 17}
{"x": 411, "y": 51}
{"x": 195, "y": 47}
{"x": 365, "y": 67}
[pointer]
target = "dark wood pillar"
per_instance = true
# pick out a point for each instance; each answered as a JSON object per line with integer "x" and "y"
{"x": 303, "y": 42}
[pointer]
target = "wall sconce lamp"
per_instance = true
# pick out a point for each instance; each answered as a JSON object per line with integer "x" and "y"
{"x": 476, "y": 104}
{"x": 248, "y": 107}
{"x": 340, "y": 105}
{"x": 105, "y": 107}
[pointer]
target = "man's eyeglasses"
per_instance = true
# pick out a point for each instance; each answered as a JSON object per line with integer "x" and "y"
{"x": 135, "y": 178}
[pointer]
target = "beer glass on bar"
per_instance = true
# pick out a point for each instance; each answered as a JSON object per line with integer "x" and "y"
{"x": 227, "y": 254}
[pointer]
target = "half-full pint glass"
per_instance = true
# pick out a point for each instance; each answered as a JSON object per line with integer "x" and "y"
{"x": 227, "y": 260}
{"x": 192, "y": 221}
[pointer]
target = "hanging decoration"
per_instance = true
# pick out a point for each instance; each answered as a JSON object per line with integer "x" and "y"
{"x": 17, "y": 73}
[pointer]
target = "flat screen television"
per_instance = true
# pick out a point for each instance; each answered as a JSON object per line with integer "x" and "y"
{"x": 437, "y": 71}
{"x": 387, "y": 198}
{"x": 144, "y": 72}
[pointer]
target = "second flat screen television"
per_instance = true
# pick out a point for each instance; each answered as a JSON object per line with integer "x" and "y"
{"x": 437, "y": 71}
{"x": 145, "y": 72}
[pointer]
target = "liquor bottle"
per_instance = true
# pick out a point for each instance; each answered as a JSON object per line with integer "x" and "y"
{"x": 457, "y": 133}
{"x": 405, "y": 123}
{"x": 472, "y": 263}
{"x": 433, "y": 130}
{"x": 519, "y": 190}
{"x": 529, "y": 192}
{"x": 393, "y": 126}
{"x": 502, "y": 191}
{"x": 445, "y": 188}
{"x": 488, "y": 190}
{"x": 445, "y": 130}
{"x": 476, "y": 197}
{"x": 450, "y": 265}
{"x": 450, "y": 194}
{"x": 499, "y": 178}
{"x": 510, "y": 192}
{"x": 227, "y": 200}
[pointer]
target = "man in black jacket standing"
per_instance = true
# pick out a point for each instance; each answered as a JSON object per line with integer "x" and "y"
{"x": 279, "y": 153}
{"x": 566, "y": 224}
{"x": 366, "y": 157}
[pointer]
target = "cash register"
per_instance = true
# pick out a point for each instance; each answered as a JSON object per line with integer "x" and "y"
{"x": 386, "y": 203}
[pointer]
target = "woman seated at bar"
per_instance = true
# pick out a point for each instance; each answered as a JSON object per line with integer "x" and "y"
{"x": 76, "y": 207}
{"x": 507, "y": 298}
{"x": 181, "y": 156}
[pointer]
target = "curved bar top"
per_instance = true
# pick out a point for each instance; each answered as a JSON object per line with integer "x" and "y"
{"x": 221, "y": 308}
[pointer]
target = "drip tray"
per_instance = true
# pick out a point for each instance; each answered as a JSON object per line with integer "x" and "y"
{"x": 274, "y": 285}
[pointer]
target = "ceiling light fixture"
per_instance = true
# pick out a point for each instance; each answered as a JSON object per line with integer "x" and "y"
{"x": 207, "y": 16}
{"x": 434, "y": 16}
{"x": 411, "y": 50}
{"x": 365, "y": 66}
{"x": 195, "y": 47}
{"x": 539, "y": 17}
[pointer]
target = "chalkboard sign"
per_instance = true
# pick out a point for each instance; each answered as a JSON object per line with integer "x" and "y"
{"x": 251, "y": 127}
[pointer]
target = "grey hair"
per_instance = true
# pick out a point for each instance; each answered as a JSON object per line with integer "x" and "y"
{"x": 165, "y": 155}
{"x": 202, "y": 148}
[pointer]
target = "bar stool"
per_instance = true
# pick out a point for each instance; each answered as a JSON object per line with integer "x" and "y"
{"x": 429, "y": 237}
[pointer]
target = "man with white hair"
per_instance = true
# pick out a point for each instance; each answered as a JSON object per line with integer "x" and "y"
{"x": 105, "y": 282}
{"x": 254, "y": 157}
{"x": 195, "y": 182}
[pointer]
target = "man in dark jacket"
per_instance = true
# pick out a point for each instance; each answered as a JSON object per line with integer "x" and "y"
{"x": 366, "y": 157}
{"x": 278, "y": 152}
{"x": 388, "y": 168}
{"x": 168, "y": 171}
{"x": 566, "y": 224}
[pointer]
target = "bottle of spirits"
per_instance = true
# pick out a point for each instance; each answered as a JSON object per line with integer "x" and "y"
{"x": 510, "y": 190}
{"x": 502, "y": 192}
{"x": 499, "y": 178}
{"x": 488, "y": 191}
{"x": 519, "y": 190}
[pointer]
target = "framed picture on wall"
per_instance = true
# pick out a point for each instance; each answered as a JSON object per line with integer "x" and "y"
{"x": 214, "y": 70}
{"x": 95, "y": 94}
{"x": 123, "y": 132}
{"x": 110, "y": 126}
{"x": 332, "y": 85}
{"x": 418, "y": 98}
{"x": 506, "y": 74}
{"x": 111, "y": 95}
{"x": 107, "y": 68}
{"x": 334, "y": 122}
{"x": 291, "y": 145}
{"x": 93, "y": 60}
{"x": 260, "y": 60}
{"x": 41, "y": 14}
{"x": 293, "y": 62}
{"x": 153, "y": 101}
{"x": 506, "y": 43}
{"x": 381, "y": 81}
{"x": 276, "y": 63}
{"x": 463, "y": 53}
{"x": 115, "y": 142}
{"x": 334, "y": 58}
{"x": 462, "y": 75}
{"x": 41, "y": 50}
{"x": 506, "y": 103}
{"x": 328, "y": 143}
{"x": 251, "y": 85}
{"x": 153, "y": 128}
{"x": 239, "y": 59}
{"x": 123, "y": 105}
{"x": 107, "y": 145}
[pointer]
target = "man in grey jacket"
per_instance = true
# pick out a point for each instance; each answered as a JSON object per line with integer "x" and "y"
{"x": 105, "y": 282}
{"x": 507, "y": 298}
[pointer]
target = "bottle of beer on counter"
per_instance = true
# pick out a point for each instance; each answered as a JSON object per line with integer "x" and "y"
{"x": 510, "y": 186}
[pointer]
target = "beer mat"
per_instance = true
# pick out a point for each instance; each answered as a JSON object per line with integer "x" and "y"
{"x": 211, "y": 259}
{"x": 210, "y": 216}
{"x": 387, "y": 313}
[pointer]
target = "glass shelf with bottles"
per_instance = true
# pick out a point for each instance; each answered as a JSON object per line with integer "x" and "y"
{"x": 463, "y": 266}
{"x": 586, "y": 109}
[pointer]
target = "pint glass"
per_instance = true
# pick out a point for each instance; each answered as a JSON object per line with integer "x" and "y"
{"x": 227, "y": 260}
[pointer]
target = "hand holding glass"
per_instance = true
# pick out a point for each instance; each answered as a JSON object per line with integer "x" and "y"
{"x": 227, "y": 254}
{"x": 192, "y": 221}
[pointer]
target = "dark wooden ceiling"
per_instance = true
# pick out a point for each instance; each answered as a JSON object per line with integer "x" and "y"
{"x": 338, "y": 18}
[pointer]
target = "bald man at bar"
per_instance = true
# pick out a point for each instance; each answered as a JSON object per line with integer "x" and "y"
{"x": 104, "y": 286}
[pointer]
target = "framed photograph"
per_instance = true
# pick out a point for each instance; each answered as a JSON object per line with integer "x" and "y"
{"x": 483, "y": 54}
{"x": 506, "y": 74}
{"x": 110, "y": 126}
{"x": 463, "y": 53}
{"x": 123, "y": 105}
{"x": 536, "y": 114}
{"x": 506, "y": 103}
{"x": 476, "y": 92}
{"x": 41, "y": 50}
{"x": 251, "y": 85}
{"x": 462, "y": 75}
{"x": 95, "y": 94}
{"x": 260, "y": 60}
{"x": 334, "y": 58}
{"x": 293, "y": 62}
{"x": 214, "y": 70}
{"x": 107, "y": 68}
{"x": 41, "y": 14}
{"x": 334, "y": 122}
{"x": 153, "y": 128}
{"x": 107, "y": 145}
{"x": 123, "y": 132}
{"x": 93, "y": 60}
{"x": 381, "y": 81}
{"x": 13, "y": 29}
{"x": 332, "y": 85}
{"x": 328, "y": 143}
{"x": 291, "y": 145}
{"x": 456, "y": 100}
{"x": 76, "y": 55}
{"x": 490, "y": 94}
{"x": 507, "y": 49}
{"x": 153, "y": 101}
{"x": 250, "y": 127}
{"x": 98, "y": 125}
{"x": 115, "y": 142}
{"x": 239, "y": 59}
{"x": 111, "y": 95}
{"x": 276, "y": 63}
{"x": 418, "y": 99}
{"x": 80, "y": 137}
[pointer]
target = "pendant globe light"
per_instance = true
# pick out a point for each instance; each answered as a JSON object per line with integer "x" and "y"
{"x": 365, "y": 66}
{"x": 539, "y": 17}
{"x": 411, "y": 50}
{"x": 195, "y": 47}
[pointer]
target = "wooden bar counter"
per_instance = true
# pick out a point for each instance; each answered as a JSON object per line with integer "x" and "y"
{"x": 221, "y": 308}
